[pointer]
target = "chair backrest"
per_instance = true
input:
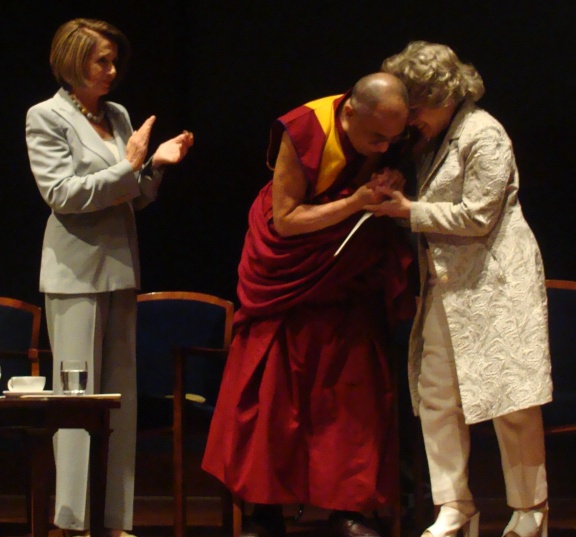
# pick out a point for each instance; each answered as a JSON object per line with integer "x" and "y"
{"x": 19, "y": 335}
{"x": 172, "y": 319}
{"x": 560, "y": 415}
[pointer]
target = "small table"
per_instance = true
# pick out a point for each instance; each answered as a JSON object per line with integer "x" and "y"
{"x": 39, "y": 418}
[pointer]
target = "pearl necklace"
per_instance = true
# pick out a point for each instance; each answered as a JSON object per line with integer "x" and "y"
{"x": 91, "y": 117}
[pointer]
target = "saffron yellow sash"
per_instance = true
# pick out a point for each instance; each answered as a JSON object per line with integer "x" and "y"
{"x": 333, "y": 159}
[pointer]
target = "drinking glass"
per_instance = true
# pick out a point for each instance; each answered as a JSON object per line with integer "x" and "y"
{"x": 74, "y": 376}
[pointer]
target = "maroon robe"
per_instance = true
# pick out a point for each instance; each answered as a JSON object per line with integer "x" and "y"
{"x": 305, "y": 410}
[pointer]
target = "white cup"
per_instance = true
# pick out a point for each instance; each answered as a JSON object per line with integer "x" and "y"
{"x": 26, "y": 384}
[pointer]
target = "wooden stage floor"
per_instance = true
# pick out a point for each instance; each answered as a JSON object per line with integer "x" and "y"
{"x": 153, "y": 518}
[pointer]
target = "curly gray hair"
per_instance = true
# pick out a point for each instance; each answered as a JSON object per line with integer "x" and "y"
{"x": 433, "y": 75}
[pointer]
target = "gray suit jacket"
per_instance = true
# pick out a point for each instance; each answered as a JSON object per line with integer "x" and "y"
{"x": 90, "y": 242}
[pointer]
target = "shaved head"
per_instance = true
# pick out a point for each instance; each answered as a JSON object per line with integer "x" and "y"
{"x": 375, "y": 114}
{"x": 379, "y": 91}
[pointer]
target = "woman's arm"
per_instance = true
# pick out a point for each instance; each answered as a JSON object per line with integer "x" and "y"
{"x": 54, "y": 165}
{"x": 487, "y": 169}
{"x": 488, "y": 166}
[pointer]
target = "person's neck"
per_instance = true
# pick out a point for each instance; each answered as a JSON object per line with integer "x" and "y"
{"x": 90, "y": 102}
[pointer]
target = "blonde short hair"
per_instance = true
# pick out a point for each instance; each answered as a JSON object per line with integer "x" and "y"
{"x": 433, "y": 75}
{"x": 72, "y": 45}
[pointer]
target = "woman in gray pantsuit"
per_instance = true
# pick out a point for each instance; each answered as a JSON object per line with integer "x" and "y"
{"x": 90, "y": 169}
{"x": 479, "y": 345}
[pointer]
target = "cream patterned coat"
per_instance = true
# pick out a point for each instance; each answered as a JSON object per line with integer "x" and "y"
{"x": 489, "y": 269}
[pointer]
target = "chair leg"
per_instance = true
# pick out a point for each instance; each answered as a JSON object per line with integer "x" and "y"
{"x": 237, "y": 515}
{"x": 396, "y": 506}
{"x": 419, "y": 477}
{"x": 396, "y": 529}
{"x": 178, "y": 449}
{"x": 232, "y": 513}
{"x": 179, "y": 496}
{"x": 227, "y": 507}
{"x": 26, "y": 464}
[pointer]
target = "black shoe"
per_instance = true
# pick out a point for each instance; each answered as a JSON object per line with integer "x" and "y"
{"x": 350, "y": 524}
{"x": 266, "y": 521}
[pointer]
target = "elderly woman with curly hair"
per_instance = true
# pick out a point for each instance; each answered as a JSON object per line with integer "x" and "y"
{"x": 479, "y": 344}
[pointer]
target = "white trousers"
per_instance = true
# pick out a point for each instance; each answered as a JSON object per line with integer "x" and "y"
{"x": 446, "y": 436}
{"x": 100, "y": 328}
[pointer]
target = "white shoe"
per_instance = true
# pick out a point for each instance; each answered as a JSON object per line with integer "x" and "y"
{"x": 532, "y": 523}
{"x": 450, "y": 520}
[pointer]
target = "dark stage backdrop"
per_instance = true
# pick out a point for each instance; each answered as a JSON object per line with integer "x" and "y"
{"x": 226, "y": 69}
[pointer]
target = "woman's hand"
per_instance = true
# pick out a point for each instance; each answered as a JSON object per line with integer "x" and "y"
{"x": 137, "y": 146}
{"x": 397, "y": 205}
{"x": 174, "y": 150}
{"x": 389, "y": 200}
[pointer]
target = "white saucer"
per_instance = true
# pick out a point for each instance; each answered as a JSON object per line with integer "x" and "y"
{"x": 9, "y": 393}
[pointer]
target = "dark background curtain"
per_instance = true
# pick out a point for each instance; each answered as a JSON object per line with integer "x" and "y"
{"x": 226, "y": 69}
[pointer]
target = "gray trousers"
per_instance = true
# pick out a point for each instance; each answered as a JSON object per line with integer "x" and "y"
{"x": 446, "y": 436}
{"x": 101, "y": 329}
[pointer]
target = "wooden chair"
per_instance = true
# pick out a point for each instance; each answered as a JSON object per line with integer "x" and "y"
{"x": 19, "y": 355}
{"x": 560, "y": 415}
{"x": 19, "y": 335}
{"x": 182, "y": 343}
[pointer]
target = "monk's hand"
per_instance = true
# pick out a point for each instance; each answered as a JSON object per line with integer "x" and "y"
{"x": 174, "y": 150}
{"x": 137, "y": 146}
{"x": 396, "y": 204}
{"x": 368, "y": 194}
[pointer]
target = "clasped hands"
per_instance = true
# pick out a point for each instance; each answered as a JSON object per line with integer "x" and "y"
{"x": 384, "y": 194}
{"x": 170, "y": 152}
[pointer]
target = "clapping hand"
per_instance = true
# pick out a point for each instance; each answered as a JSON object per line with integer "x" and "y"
{"x": 174, "y": 150}
{"x": 137, "y": 146}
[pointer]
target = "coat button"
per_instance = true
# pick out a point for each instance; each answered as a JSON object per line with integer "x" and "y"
{"x": 444, "y": 278}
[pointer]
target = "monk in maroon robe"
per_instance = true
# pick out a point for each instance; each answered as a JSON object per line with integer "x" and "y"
{"x": 304, "y": 413}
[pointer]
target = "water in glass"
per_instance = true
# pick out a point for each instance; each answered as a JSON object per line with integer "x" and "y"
{"x": 74, "y": 376}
